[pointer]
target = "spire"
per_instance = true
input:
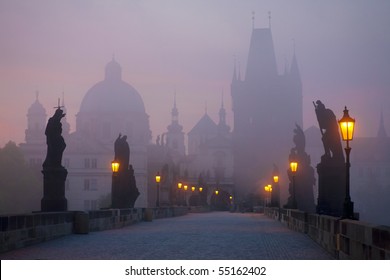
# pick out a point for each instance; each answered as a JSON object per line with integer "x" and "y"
{"x": 205, "y": 108}
{"x": 382, "y": 131}
{"x": 175, "y": 112}
{"x": 253, "y": 20}
{"x": 37, "y": 95}
{"x": 234, "y": 70}
{"x": 222, "y": 112}
{"x": 294, "y": 70}
{"x": 239, "y": 71}
{"x": 269, "y": 19}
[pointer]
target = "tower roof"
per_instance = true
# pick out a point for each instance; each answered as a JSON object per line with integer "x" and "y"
{"x": 204, "y": 126}
{"x": 261, "y": 58}
{"x": 36, "y": 108}
{"x": 112, "y": 94}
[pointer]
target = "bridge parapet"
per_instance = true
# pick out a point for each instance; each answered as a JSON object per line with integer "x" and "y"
{"x": 343, "y": 238}
{"x": 18, "y": 231}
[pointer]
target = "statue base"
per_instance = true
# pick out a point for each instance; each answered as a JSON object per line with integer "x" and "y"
{"x": 331, "y": 187}
{"x": 54, "y": 190}
{"x": 124, "y": 191}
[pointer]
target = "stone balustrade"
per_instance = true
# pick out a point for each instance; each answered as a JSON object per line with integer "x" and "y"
{"x": 343, "y": 238}
{"x": 17, "y": 231}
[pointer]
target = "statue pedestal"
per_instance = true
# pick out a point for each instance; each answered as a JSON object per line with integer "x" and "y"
{"x": 331, "y": 187}
{"x": 124, "y": 191}
{"x": 54, "y": 190}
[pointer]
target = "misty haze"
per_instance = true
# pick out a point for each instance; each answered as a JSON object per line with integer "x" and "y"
{"x": 210, "y": 94}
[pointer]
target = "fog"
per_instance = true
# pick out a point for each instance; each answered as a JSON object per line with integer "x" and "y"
{"x": 189, "y": 47}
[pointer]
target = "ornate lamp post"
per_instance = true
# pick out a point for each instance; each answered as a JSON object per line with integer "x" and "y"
{"x": 268, "y": 190}
{"x": 347, "y": 126}
{"x": 276, "y": 182}
{"x": 115, "y": 185}
{"x": 158, "y": 179}
{"x": 179, "y": 187}
{"x": 294, "y": 168}
{"x": 185, "y": 194}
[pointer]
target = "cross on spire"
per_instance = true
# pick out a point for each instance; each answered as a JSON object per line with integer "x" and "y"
{"x": 58, "y": 106}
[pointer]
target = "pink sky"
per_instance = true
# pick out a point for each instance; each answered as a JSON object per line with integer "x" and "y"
{"x": 188, "y": 46}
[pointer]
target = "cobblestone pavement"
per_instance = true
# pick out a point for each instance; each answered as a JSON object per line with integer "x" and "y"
{"x": 215, "y": 235}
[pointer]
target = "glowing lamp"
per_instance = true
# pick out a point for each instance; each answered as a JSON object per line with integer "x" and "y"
{"x": 294, "y": 166}
{"x": 115, "y": 166}
{"x": 200, "y": 189}
{"x": 347, "y": 126}
{"x": 158, "y": 177}
{"x": 216, "y": 192}
{"x": 276, "y": 178}
{"x": 179, "y": 185}
{"x": 185, "y": 187}
{"x": 193, "y": 189}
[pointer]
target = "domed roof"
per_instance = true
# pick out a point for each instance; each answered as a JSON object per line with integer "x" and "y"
{"x": 36, "y": 108}
{"x": 112, "y": 94}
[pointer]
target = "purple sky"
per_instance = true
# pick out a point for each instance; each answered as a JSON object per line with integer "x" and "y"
{"x": 342, "y": 47}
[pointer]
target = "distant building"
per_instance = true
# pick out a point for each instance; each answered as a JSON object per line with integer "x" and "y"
{"x": 370, "y": 176}
{"x": 110, "y": 107}
{"x": 266, "y": 107}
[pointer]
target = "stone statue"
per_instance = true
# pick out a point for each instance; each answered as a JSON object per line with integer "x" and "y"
{"x": 124, "y": 190}
{"x": 122, "y": 152}
{"x": 299, "y": 139}
{"x": 54, "y": 140}
{"x": 54, "y": 174}
{"x": 329, "y": 130}
{"x": 331, "y": 169}
{"x": 304, "y": 177}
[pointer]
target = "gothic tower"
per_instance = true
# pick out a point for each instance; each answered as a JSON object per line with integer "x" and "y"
{"x": 266, "y": 107}
{"x": 175, "y": 134}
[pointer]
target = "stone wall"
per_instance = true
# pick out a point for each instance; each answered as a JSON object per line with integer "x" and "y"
{"x": 19, "y": 231}
{"x": 343, "y": 238}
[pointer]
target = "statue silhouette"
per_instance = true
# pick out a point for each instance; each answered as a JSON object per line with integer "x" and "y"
{"x": 329, "y": 130}
{"x": 55, "y": 142}
{"x": 122, "y": 152}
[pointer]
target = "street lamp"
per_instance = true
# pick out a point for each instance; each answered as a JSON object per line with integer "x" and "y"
{"x": 276, "y": 181}
{"x": 185, "y": 194}
{"x": 158, "y": 179}
{"x": 347, "y": 126}
{"x": 115, "y": 166}
{"x": 268, "y": 189}
{"x": 294, "y": 168}
{"x": 179, "y": 187}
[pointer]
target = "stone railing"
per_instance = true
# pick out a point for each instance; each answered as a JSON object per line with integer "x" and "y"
{"x": 19, "y": 231}
{"x": 343, "y": 238}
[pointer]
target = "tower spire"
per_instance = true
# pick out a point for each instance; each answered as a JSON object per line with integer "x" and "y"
{"x": 382, "y": 131}
{"x": 253, "y": 20}
{"x": 269, "y": 19}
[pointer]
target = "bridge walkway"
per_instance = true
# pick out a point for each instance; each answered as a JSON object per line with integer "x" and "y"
{"x": 204, "y": 236}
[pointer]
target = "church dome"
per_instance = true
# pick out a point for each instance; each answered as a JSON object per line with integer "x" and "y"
{"x": 36, "y": 108}
{"x": 112, "y": 94}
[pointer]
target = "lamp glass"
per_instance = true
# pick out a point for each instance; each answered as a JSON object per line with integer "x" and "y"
{"x": 276, "y": 178}
{"x": 294, "y": 166}
{"x": 179, "y": 185}
{"x": 158, "y": 177}
{"x": 347, "y": 126}
{"x": 115, "y": 166}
